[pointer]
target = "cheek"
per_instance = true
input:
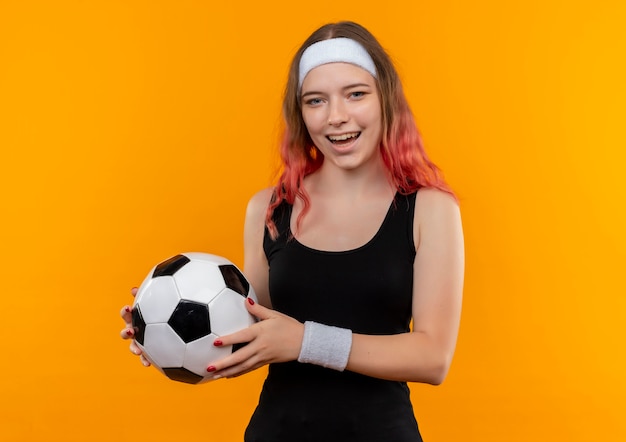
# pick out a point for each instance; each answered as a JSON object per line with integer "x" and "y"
{"x": 313, "y": 122}
{"x": 378, "y": 120}
{"x": 374, "y": 121}
{"x": 369, "y": 114}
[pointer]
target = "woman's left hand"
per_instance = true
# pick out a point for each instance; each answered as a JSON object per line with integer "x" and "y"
{"x": 275, "y": 338}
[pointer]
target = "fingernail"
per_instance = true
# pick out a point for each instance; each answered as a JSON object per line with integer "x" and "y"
{"x": 250, "y": 301}
{"x": 127, "y": 309}
{"x": 129, "y": 332}
{"x": 211, "y": 369}
{"x": 218, "y": 342}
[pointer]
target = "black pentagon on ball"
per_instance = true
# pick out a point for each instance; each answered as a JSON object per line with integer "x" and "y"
{"x": 139, "y": 325}
{"x": 190, "y": 320}
{"x": 234, "y": 279}
{"x": 182, "y": 375}
{"x": 170, "y": 266}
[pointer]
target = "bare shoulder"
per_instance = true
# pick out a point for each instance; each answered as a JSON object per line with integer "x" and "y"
{"x": 257, "y": 206}
{"x": 436, "y": 212}
{"x": 430, "y": 201}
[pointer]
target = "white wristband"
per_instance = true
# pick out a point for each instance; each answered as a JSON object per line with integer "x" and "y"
{"x": 325, "y": 345}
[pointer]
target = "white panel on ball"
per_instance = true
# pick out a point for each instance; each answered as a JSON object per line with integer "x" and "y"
{"x": 158, "y": 299}
{"x": 164, "y": 346}
{"x": 228, "y": 313}
{"x": 199, "y": 281}
{"x": 201, "y": 353}
{"x": 144, "y": 283}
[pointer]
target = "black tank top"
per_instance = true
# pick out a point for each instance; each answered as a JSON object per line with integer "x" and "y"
{"x": 367, "y": 290}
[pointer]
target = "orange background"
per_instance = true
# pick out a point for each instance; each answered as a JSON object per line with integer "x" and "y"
{"x": 134, "y": 130}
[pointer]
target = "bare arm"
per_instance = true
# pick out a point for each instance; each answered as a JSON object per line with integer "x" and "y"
{"x": 256, "y": 267}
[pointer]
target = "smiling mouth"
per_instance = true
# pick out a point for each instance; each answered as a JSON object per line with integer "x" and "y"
{"x": 343, "y": 138}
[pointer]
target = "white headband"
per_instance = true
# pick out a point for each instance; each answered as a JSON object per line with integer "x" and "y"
{"x": 335, "y": 50}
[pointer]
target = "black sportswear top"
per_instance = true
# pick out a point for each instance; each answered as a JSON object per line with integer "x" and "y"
{"x": 367, "y": 290}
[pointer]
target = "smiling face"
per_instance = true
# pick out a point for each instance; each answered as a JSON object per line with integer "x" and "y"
{"x": 342, "y": 112}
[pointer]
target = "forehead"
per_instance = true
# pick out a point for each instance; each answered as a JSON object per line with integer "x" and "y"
{"x": 336, "y": 75}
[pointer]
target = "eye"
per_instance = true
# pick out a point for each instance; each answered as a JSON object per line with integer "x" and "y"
{"x": 313, "y": 101}
{"x": 357, "y": 94}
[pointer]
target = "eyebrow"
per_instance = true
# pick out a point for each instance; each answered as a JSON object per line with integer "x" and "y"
{"x": 350, "y": 86}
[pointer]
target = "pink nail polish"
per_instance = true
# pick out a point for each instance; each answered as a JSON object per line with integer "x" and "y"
{"x": 251, "y": 301}
{"x": 218, "y": 343}
{"x": 210, "y": 369}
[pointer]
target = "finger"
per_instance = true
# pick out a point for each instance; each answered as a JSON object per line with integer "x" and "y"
{"x": 243, "y": 372}
{"x": 239, "y": 337}
{"x": 144, "y": 361}
{"x": 127, "y": 314}
{"x": 258, "y": 311}
{"x": 127, "y": 333}
{"x": 135, "y": 349}
{"x": 234, "y": 371}
{"x": 240, "y": 362}
{"x": 134, "y": 291}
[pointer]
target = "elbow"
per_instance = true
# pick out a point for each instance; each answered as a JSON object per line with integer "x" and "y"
{"x": 436, "y": 371}
{"x": 437, "y": 376}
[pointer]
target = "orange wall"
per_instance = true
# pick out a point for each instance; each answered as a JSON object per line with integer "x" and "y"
{"x": 134, "y": 130}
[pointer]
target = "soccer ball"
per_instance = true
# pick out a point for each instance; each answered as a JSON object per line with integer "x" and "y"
{"x": 182, "y": 306}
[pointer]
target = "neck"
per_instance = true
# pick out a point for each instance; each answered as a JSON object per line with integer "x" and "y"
{"x": 350, "y": 183}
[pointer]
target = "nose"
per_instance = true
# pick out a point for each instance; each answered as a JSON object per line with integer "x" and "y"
{"x": 337, "y": 113}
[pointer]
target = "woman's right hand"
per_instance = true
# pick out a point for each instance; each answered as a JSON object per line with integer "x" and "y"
{"x": 128, "y": 332}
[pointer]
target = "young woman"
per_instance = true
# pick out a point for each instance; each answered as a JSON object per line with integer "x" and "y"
{"x": 359, "y": 237}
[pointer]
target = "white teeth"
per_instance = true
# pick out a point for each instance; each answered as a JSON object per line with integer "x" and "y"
{"x": 343, "y": 137}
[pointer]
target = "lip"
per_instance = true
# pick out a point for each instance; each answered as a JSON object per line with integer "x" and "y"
{"x": 352, "y": 132}
{"x": 345, "y": 146}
